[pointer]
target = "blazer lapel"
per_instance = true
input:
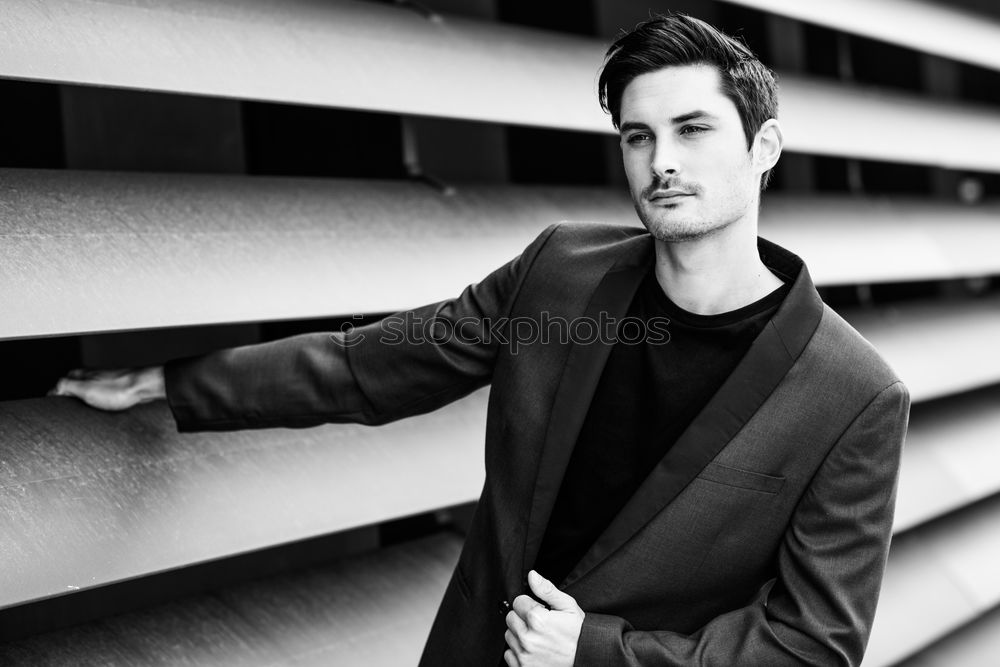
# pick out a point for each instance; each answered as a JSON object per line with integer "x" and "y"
{"x": 767, "y": 361}
{"x": 581, "y": 373}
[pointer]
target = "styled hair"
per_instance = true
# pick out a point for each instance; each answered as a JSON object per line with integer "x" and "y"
{"x": 678, "y": 39}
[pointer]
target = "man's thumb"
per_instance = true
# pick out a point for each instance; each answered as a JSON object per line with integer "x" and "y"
{"x": 547, "y": 592}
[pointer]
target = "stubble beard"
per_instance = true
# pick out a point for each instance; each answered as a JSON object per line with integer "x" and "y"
{"x": 680, "y": 230}
{"x": 657, "y": 220}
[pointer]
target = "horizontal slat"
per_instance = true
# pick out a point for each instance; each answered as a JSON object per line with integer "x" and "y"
{"x": 844, "y": 239}
{"x": 928, "y": 27}
{"x": 91, "y": 498}
{"x": 339, "y": 53}
{"x": 937, "y": 348}
{"x": 394, "y": 60}
{"x": 939, "y": 577}
{"x": 90, "y": 251}
{"x": 828, "y": 118}
{"x": 374, "y": 610}
{"x": 951, "y": 458}
{"x": 974, "y": 645}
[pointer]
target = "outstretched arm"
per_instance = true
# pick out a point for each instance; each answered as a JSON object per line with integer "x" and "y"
{"x": 370, "y": 375}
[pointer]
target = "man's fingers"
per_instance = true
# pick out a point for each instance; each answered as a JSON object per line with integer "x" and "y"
{"x": 547, "y": 592}
{"x": 511, "y": 659}
{"x": 73, "y": 384}
{"x": 524, "y": 604}
{"x": 516, "y": 624}
{"x": 66, "y": 387}
{"x": 513, "y": 642}
{"x": 105, "y": 389}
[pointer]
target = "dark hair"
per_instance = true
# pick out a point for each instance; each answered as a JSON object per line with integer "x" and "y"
{"x": 678, "y": 39}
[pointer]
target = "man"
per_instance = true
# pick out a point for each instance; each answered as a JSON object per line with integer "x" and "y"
{"x": 719, "y": 492}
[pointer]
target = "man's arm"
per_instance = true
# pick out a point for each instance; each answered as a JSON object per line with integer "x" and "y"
{"x": 372, "y": 374}
{"x": 820, "y": 608}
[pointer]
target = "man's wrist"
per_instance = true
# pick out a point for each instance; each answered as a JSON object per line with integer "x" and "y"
{"x": 149, "y": 384}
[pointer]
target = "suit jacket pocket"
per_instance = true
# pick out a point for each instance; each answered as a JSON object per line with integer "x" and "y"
{"x": 744, "y": 479}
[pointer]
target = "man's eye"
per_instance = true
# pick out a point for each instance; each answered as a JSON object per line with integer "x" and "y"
{"x": 638, "y": 138}
{"x": 693, "y": 129}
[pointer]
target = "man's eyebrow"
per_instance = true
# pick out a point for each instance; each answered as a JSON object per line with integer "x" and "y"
{"x": 691, "y": 115}
{"x": 625, "y": 127}
{"x": 676, "y": 120}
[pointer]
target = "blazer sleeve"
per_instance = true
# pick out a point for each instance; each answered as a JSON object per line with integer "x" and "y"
{"x": 405, "y": 364}
{"x": 819, "y": 608}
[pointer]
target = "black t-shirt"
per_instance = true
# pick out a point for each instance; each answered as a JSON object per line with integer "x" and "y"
{"x": 653, "y": 385}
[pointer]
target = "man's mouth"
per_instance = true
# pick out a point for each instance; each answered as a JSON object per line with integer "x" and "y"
{"x": 668, "y": 195}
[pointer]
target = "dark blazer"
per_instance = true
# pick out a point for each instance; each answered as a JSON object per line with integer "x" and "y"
{"x": 759, "y": 539}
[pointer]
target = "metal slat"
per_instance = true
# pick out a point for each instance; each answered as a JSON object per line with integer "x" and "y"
{"x": 844, "y": 240}
{"x": 974, "y": 645}
{"x": 828, "y": 118}
{"x": 929, "y": 27}
{"x": 92, "y": 498}
{"x": 937, "y": 348}
{"x": 951, "y": 458}
{"x": 339, "y": 53}
{"x": 939, "y": 577}
{"x": 90, "y": 251}
{"x": 374, "y": 610}
{"x": 361, "y": 55}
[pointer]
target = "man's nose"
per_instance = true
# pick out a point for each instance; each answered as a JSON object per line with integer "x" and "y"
{"x": 665, "y": 159}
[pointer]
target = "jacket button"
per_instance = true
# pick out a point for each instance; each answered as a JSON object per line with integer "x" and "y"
{"x": 504, "y": 607}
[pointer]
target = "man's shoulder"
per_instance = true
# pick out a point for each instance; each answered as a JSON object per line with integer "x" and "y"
{"x": 588, "y": 240}
{"x": 574, "y": 233}
{"x": 848, "y": 357}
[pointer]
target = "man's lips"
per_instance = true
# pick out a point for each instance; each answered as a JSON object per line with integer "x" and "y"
{"x": 668, "y": 195}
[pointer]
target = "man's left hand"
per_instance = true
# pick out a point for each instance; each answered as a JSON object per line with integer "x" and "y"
{"x": 542, "y": 637}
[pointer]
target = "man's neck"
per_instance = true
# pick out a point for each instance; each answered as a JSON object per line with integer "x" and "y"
{"x": 717, "y": 273}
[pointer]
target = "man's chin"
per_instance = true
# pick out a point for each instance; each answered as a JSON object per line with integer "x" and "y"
{"x": 678, "y": 236}
{"x": 671, "y": 230}
{"x": 670, "y": 226}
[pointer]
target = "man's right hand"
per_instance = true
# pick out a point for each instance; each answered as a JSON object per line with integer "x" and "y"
{"x": 113, "y": 389}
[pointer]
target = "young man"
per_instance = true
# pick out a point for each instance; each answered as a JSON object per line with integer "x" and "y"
{"x": 719, "y": 492}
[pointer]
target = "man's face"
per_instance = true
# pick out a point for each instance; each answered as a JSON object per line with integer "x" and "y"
{"x": 685, "y": 154}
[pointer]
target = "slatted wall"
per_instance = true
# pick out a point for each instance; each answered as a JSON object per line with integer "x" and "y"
{"x": 178, "y": 177}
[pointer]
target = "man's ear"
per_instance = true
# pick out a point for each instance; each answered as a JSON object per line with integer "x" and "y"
{"x": 767, "y": 145}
